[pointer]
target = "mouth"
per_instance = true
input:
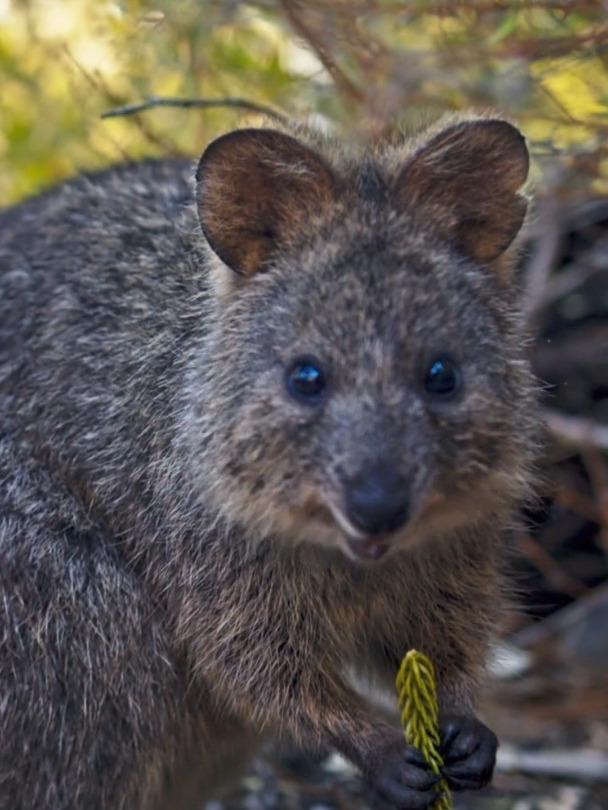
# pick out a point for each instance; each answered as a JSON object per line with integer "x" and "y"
{"x": 361, "y": 547}
{"x": 368, "y": 548}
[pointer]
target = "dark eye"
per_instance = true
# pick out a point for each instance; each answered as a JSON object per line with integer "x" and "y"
{"x": 443, "y": 377}
{"x": 305, "y": 380}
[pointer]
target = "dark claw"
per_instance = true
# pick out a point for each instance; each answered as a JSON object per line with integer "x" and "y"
{"x": 469, "y": 752}
{"x": 400, "y": 779}
{"x": 394, "y": 794}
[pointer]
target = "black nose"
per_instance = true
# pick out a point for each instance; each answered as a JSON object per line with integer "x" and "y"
{"x": 377, "y": 501}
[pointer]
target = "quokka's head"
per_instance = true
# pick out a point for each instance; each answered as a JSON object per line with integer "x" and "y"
{"x": 364, "y": 387}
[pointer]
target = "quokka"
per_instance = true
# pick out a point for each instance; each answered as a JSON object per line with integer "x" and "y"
{"x": 262, "y": 423}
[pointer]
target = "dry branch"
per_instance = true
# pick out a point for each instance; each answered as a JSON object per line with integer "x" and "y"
{"x": 302, "y": 25}
{"x": 186, "y": 103}
{"x": 576, "y": 431}
{"x": 554, "y": 573}
{"x": 568, "y": 764}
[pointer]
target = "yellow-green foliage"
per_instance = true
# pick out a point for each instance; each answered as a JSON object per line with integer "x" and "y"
{"x": 417, "y": 698}
{"x": 359, "y": 63}
{"x": 65, "y": 62}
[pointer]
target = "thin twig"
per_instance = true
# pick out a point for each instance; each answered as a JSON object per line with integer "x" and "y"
{"x": 570, "y": 764}
{"x": 595, "y": 465}
{"x": 452, "y": 8}
{"x": 577, "y": 431}
{"x": 579, "y": 504}
{"x": 553, "y": 573}
{"x": 186, "y": 103}
{"x": 97, "y": 82}
{"x": 558, "y": 624}
{"x": 542, "y": 259}
{"x": 448, "y": 8}
{"x": 293, "y": 12}
{"x": 575, "y": 274}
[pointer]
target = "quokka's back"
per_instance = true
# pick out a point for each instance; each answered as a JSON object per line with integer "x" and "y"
{"x": 260, "y": 424}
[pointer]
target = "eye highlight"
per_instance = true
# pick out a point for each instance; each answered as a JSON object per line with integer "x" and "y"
{"x": 305, "y": 380}
{"x": 443, "y": 378}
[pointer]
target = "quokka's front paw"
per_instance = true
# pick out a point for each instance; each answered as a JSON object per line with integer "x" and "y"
{"x": 399, "y": 778}
{"x": 468, "y": 749}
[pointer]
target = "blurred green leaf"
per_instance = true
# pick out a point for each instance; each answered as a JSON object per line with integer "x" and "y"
{"x": 360, "y": 64}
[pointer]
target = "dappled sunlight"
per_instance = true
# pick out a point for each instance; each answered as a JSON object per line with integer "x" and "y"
{"x": 359, "y": 65}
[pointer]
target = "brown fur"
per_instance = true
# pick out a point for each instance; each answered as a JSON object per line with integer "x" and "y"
{"x": 178, "y": 568}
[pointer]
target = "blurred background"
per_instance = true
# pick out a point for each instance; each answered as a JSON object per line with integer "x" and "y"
{"x": 358, "y": 64}
{"x": 85, "y": 83}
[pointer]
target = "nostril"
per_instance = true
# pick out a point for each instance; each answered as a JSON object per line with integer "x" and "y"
{"x": 377, "y": 501}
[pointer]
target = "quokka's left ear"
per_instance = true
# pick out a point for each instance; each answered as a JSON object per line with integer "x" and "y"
{"x": 465, "y": 184}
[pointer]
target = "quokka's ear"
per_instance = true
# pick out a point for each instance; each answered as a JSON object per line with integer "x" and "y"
{"x": 464, "y": 183}
{"x": 255, "y": 188}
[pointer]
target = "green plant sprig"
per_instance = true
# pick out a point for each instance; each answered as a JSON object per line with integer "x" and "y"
{"x": 417, "y": 698}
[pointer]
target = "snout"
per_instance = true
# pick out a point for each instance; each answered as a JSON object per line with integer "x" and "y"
{"x": 377, "y": 504}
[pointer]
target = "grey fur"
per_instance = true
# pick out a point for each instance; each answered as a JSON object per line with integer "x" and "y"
{"x": 174, "y": 572}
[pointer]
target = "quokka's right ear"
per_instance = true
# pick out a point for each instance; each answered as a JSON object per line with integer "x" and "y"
{"x": 256, "y": 187}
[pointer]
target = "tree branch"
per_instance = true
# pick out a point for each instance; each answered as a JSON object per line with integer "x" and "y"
{"x": 185, "y": 103}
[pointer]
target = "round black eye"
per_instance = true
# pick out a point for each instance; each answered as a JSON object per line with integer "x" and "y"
{"x": 305, "y": 380}
{"x": 443, "y": 377}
